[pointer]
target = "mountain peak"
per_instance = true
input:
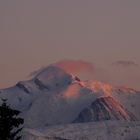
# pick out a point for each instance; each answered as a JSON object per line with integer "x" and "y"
{"x": 53, "y": 77}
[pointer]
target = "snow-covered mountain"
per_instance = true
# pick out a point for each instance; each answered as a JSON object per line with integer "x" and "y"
{"x": 54, "y": 97}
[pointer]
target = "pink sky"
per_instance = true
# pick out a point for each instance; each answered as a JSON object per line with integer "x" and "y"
{"x": 37, "y": 33}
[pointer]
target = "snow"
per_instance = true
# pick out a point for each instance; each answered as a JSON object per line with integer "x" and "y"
{"x": 54, "y": 78}
{"x": 54, "y": 97}
{"x": 107, "y": 130}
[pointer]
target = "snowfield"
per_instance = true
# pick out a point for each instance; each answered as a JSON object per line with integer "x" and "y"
{"x": 107, "y": 130}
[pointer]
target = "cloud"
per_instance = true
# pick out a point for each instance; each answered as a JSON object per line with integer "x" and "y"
{"x": 72, "y": 92}
{"x": 124, "y": 63}
{"x": 76, "y": 66}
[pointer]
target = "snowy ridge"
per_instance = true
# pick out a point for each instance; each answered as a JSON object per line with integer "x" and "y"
{"x": 105, "y": 108}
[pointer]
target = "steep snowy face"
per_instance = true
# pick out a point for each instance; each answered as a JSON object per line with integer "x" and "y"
{"x": 52, "y": 78}
{"x": 105, "y": 108}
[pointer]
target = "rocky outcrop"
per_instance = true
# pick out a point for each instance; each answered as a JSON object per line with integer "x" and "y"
{"x": 105, "y": 108}
{"x": 40, "y": 85}
{"x": 23, "y": 87}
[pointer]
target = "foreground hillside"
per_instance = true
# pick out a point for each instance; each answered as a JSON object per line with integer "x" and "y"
{"x": 107, "y": 130}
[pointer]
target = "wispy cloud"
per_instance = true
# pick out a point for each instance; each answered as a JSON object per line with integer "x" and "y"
{"x": 70, "y": 66}
{"x": 76, "y": 66}
{"x": 125, "y": 63}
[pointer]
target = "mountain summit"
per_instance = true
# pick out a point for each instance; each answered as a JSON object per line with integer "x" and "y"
{"x": 53, "y": 78}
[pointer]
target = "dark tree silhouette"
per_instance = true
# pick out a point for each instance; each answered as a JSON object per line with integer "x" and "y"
{"x": 9, "y": 122}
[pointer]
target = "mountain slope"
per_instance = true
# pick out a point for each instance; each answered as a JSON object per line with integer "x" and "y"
{"x": 105, "y": 108}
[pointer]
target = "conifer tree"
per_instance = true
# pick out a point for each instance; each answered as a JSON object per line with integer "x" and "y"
{"x": 9, "y": 122}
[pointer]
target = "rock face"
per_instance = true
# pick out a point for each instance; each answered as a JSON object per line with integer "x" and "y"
{"x": 105, "y": 108}
{"x": 22, "y": 87}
